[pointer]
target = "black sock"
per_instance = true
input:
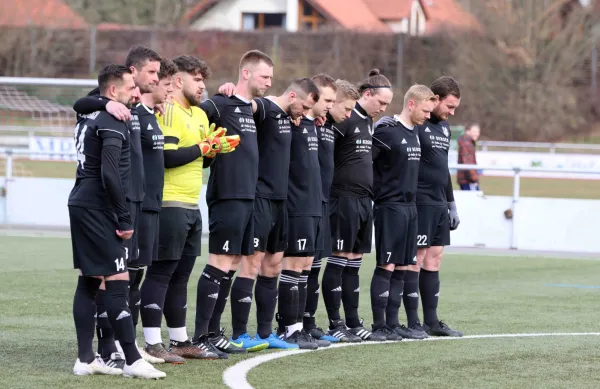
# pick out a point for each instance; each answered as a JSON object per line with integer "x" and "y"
{"x": 153, "y": 292}
{"x": 115, "y": 300}
{"x": 395, "y": 298}
{"x": 214, "y": 325}
{"x": 331, "y": 286}
{"x": 288, "y": 298}
{"x": 135, "y": 280}
{"x": 312, "y": 294}
{"x": 241, "y": 301}
{"x": 106, "y": 336}
{"x": 206, "y": 298}
{"x": 411, "y": 297}
{"x": 84, "y": 309}
{"x": 429, "y": 284}
{"x": 380, "y": 290}
{"x": 266, "y": 301}
{"x": 351, "y": 292}
{"x": 175, "y": 308}
{"x": 302, "y": 290}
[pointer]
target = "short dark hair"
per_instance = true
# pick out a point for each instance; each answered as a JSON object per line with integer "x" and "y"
{"x": 109, "y": 74}
{"x": 325, "y": 81}
{"x": 445, "y": 86}
{"x": 374, "y": 82}
{"x": 306, "y": 86}
{"x": 192, "y": 65}
{"x": 139, "y": 55}
{"x": 254, "y": 57}
{"x": 167, "y": 68}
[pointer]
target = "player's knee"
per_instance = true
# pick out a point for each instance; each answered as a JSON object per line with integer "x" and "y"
{"x": 401, "y": 268}
{"x": 250, "y": 267}
{"x": 271, "y": 266}
{"x": 293, "y": 264}
{"x": 222, "y": 262}
{"x": 161, "y": 271}
{"x": 433, "y": 260}
{"x": 307, "y": 265}
{"x": 415, "y": 268}
{"x": 117, "y": 277}
{"x": 388, "y": 267}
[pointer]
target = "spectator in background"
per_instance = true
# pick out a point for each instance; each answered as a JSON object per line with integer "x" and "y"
{"x": 468, "y": 179}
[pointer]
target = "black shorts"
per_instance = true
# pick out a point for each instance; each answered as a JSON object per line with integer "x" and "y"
{"x": 434, "y": 226}
{"x": 147, "y": 239}
{"x": 97, "y": 250}
{"x": 324, "y": 235}
{"x": 270, "y": 225}
{"x": 135, "y": 209}
{"x": 396, "y": 234}
{"x": 231, "y": 227}
{"x": 179, "y": 233}
{"x": 302, "y": 236}
{"x": 351, "y": 225}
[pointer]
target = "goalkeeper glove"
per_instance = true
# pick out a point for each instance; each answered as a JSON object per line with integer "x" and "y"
{"x": 219, "y": 142}
{"x": 453, "y": 213}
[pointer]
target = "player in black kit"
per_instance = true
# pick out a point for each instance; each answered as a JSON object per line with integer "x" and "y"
{"x": 144, "y": 64}
{"x": 436, "y": 211}
{"x": 230, "y": 194}
{"x": 304, "y": 207}
{"x": 396, "y": 155}
{"x": 351, "y": 213}
{"x": 346, "y": 98}
{"x": 100, "y": 224}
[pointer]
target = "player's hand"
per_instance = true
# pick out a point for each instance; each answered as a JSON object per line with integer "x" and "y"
{"x": 227, "y": 89}
{"x": 296, "y": 121}
{"x": 159, "y": 109}
{"x": 118, "y": 110}
{"x": 225, "y": 144}
{"x": 125, "y": 235}
{"x": 453, "y": 213}
{"x": 319, "y": 122}
{"x": 387, "y": 121}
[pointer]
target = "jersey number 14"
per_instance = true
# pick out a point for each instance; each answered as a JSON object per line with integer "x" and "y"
{"x": 79, "y": 144}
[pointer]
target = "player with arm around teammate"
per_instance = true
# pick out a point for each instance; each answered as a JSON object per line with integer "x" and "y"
{"x": 396, "y": 155}
{"x": 144, "y": 64}
{"x": 100, "y": 224}
{"x": 230, "y": 196}
{"x": 351, "y": 212}
{"x": 436, "y": 211}
{"x": 346, "y": 98}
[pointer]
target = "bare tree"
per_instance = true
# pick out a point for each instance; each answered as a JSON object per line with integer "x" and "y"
{"x": 522, "y": 75}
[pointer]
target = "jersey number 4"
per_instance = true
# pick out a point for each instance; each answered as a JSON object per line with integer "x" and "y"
{"x": 79, "y": 143}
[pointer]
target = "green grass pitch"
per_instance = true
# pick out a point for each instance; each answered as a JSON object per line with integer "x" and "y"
{"x": 479, "y": 295}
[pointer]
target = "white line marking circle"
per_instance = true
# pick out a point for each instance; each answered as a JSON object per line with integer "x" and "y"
{"x": 236, "y": 376}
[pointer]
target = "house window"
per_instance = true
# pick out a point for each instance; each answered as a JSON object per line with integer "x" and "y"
{"x": 261, "y": 21}
{"x": 309, "y": 19}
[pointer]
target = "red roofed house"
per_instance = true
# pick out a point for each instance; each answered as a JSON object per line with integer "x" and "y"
{"x": 414, "y": 17}
{"x": 40, "y": 13}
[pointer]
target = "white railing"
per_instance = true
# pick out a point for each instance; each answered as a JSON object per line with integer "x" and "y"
{"x": 552, "y": 147}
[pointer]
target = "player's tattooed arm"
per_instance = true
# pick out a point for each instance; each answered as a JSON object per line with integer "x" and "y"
{"x": 89, "y": 104}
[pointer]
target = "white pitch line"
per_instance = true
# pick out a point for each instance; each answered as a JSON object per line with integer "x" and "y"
{"x": 236, "y": 376}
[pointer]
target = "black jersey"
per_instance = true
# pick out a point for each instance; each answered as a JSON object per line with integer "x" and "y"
{"x": 396, "y": 155}
{"x": 304, "y": 188}
{"x": 95, "y": 102}
{"x": 154, "y": 161}
{"x": 326, "y": 149}
{"x": 353, "y": 174}
{"x": 274, "y": 141}
{"x": 434, "y": 176}
{"x": 136, "y": 186}
{"x": 233, "y": 175}
{"x": 98, "y": 185}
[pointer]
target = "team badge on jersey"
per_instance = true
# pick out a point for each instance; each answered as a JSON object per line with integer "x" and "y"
{"x": 446, "y": 132}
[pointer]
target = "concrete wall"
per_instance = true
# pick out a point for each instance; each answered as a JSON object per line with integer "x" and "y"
{"x": 538, "y": 224}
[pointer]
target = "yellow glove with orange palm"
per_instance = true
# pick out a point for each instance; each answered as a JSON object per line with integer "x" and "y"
{"x": 216, "y": 142}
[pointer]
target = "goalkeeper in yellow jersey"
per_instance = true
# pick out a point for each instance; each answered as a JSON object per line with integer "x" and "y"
{"x": 189, "y": 142}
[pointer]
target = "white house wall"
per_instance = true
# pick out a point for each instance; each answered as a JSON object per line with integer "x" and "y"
{"x": 227, "y": 15}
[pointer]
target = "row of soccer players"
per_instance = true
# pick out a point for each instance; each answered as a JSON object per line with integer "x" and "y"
{"x": 270, "y": 200}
